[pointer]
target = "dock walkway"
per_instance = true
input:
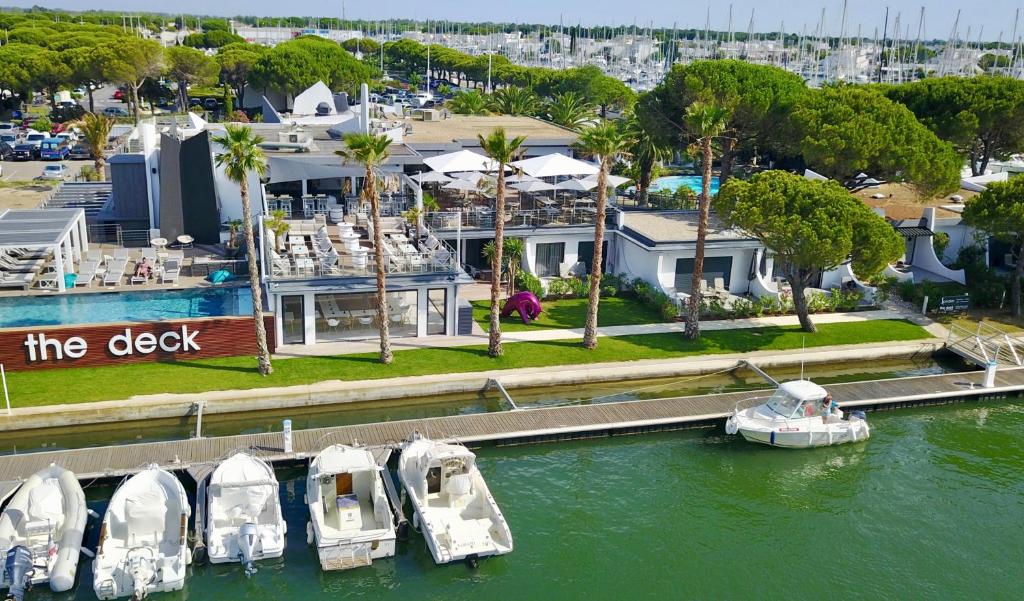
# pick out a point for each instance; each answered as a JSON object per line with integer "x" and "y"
{"x": 506, "y": 427}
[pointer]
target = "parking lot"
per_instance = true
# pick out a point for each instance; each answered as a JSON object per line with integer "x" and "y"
{"x": 29, "y": 170}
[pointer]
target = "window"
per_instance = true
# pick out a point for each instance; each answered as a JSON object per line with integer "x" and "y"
{"x": 437, "y": 303}
{"x": 293, "y": 323}
{"x": 714, "y": 267}
{"x": 354, "y": 316}
{"x": 549, "y": 256}
{"x": 585, "y": 254}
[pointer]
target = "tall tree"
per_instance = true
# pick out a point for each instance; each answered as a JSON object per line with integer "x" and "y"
{"x": 188, "y": 66}
{"x": 705, "y": 121}
{"x": 982, "y": 117}
{"x": 570, "y": 110}
{"x": 999, "y": 212}
{"x": 95, "y": 129}
{"x": 607, "y": 142}
{"x": 132, "y": 62}
{"x": 371, "y": 151}
{"x": 514, "y": 101}
{"x": 502, "y": 150}
{"x": 648, "y": 151}
{"x": 810, "y": 227}
{"x": 236, "y": 62}
{"x": 469, "y": 102}
{"x": 242, "y": 156}
{"x": 758, "y": 98}
{"x": 840, "y": 131}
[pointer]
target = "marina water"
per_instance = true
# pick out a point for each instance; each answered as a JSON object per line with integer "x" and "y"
{"x": 930, "y": 507}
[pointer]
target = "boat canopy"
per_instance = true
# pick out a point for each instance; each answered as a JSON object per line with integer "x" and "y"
{"x": 788, "y": 400}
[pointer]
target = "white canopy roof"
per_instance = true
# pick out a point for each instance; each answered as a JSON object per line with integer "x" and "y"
{"x": 552, "y": 165}
{"x": 431, "y": 176}
{"x": 462, "y": 160}
{"x": 460, "y": 184}
{"x": 536, "y": 186}
{"x": 613, "y": 180}
{"x": 520, "y": 177}
{"x": 577, "y": 185}
{"x": 469, "y": 176}
{"x": 811, "y": 175}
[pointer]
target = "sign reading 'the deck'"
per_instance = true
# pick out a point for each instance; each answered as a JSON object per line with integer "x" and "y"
{"x": 40, "y": 347}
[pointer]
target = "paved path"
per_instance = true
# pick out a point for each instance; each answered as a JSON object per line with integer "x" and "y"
{"x": 543, "y": 334}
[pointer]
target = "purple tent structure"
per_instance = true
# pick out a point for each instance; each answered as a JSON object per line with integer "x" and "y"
{"x": 525, "y": 303}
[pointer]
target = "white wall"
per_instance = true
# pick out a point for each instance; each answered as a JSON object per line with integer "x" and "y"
{"x": 571, "y": 247}
{"x": 658, "y": 266}
{"x": 229, "y": 195}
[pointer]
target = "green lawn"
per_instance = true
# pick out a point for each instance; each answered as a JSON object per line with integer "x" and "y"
{"x": 571, "y": 313}
{"x": 79, "y": 385}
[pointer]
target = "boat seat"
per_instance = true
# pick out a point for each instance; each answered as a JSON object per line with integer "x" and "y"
{"x": 459, "y": 488}
{"x": 36, "y": 528}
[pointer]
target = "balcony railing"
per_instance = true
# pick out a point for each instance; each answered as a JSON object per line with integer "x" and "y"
{"x": 484, "y": 219}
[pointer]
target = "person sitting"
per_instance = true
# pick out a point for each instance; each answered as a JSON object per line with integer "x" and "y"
{"x": 143, "y": 269}
{"x": 827, "y": 404}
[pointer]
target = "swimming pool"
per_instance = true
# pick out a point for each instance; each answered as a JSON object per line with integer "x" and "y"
{"x": 671, "y": 183}
{"x": 67, "y": 309}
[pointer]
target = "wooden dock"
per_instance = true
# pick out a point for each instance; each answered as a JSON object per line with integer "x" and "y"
{"x": 505, "y": 427}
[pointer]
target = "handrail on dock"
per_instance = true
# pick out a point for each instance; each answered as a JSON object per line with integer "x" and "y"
{"x": 501, "y": 388}
{"x": 986, "y": 344}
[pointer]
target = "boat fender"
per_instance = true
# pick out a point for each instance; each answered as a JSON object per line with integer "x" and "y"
{"x": 771, "y": 440}
{"x": 188, "y": 556}
{"x": 92, "y": 513}
{"x": 199, "y": 553}
{"x": 403, "y": 530}
{"x": 309, "y": 533}
{"x": 472, "y": 561}
{"x": 87, "y": 552}
{"x": 859, "y": 415}
{"x": 730, "y": 426}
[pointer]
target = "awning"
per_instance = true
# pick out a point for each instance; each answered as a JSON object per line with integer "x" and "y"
{"x": 556, "y": 164}
{"x": 291, "y": 169}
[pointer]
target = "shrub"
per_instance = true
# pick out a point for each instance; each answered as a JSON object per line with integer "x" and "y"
{"x": 530, "y": 282}
{"x": 613, "y": 283}
{"x": 89, "y": 174}
{"x": 558, "y": 288}
{"x": 656, "y": 298}
{"x": 579, "y": 287}
{"x": 940, "y": 240}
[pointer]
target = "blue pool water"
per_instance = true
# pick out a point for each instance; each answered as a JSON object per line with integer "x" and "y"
{"x": 65, "y": 309}
{"x": 671, "y": 183}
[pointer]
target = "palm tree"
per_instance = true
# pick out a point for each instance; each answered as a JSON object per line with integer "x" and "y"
{"x": 243, "y": 156}
{"x": 95, "y": 129}
{"x": 647, "y": 154}
{"x": 371, "y": 151}
{"x": 511, "y": 255}
{"x": 468, "y": 103}
{"x": 514, "y": 101}
{"x": 570, "y": 110}
{"x": 606, "y": 142}
{"x": 502, "y": 151}
{"x": 705, "y": 121}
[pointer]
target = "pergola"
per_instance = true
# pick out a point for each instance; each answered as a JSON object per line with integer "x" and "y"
{"x": 62, "y": 231}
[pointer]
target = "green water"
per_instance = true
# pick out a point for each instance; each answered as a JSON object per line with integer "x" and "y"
{"x": 931, "y": 507}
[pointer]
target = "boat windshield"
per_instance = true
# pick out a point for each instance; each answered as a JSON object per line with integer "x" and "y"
{"x": 783, "y": 404}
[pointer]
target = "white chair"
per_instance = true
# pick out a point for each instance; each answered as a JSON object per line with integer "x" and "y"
{"x": 185, "y": 241}
{"x": 171, "y": 272}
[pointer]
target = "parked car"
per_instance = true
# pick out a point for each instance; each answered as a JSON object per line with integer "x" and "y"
{"x": 25, "y": 152}
{"x": 80, "y": 151}
{"x": 11, "y": 138}
{"x": 54, "y": 149}
{"x": 6, "y": 151}
{"x": 36, "y": 138}
{"x": 57, "y": 172}
{"x": 8, "y": 127}
{"x": 68, "y": 136}
{"x": 118, "y": 94}
{"x": 210, "y": 104}
{"x": 115, "y": 111}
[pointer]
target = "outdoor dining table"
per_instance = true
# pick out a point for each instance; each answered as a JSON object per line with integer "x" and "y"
{"x": 300, "y": 251}
{"x": 408, "y": 249}
{"x": 294, "y": 240}
{"x": 158, "y": 243}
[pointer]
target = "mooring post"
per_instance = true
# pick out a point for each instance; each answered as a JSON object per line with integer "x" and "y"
{"x": 199, "y": 418}
{"x": 287, "y": 436}
{"x": 924, "y": 306}
{"x": 990, "y": 374}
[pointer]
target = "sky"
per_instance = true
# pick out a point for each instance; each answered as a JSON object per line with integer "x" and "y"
{"x": 987, "y": 18}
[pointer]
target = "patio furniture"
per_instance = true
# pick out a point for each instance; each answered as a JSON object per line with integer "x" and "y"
{"x": 86, "y": 273}
{"x": 185, "y": 241}
{"x": 138, "y": 279}
{"x": 158, "y": 243}
{"x": 115, "y": 271}
{"x": 171, "y": 271}
{"x": 48, "y": 281}
{"x": 120, "y": 254}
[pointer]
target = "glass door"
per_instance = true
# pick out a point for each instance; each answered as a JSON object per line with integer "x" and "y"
{"x": 437, "y": 311}
{"x": 293, "y": 326}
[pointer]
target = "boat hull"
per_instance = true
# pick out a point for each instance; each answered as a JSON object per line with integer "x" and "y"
{"x": 805, "y": 439}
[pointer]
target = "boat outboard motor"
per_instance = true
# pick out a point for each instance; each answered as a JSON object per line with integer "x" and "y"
{"x": 18, "y": 570}
{"x": 859, "y": 415}
{"x": 248, "y": 536}
{"x": 143, "y": 573}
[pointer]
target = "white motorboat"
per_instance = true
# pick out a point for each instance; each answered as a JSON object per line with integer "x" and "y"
{"x": 41, "y": 532}
{"x": 453, "y": 507}
{"x": 243, "y": 518}
{"x": 352, "y": 522}
{"x": 143, "y": 547}
{"x": 800, "y": 414}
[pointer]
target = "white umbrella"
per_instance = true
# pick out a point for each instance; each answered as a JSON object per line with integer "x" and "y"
{"x": 462, "y": 160}
{"x": 577, "y": 185}
{"x": 469, "y": 176}
{"x": 520, "y": 177}
{"x": 552, "y": 165}
{"x": 613, "y": 180}
{"x": 460, "y": 184}
{"x": 431, "y": 176}
{"x": 537, "y": 186}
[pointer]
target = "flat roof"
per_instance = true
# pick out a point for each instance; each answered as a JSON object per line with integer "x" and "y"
{"x": 37, "y": 228}
{"x": 675, "y": 227}
{"x": 901, "y": 201}
{"x": 467, "y": 127}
